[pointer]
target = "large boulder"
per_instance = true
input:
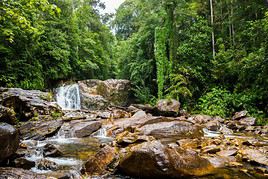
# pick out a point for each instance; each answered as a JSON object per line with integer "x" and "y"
{"x": 28, "y": 103}
{"x": 172, "y": 130}
{"x": 116, "y": 92}
{"x": 104, "y": 159}
{"x": 79, "y": 128}
{"x": 9, "y": 138}
{"x": 168, "y": 107}
{"x": 154, "y": 160}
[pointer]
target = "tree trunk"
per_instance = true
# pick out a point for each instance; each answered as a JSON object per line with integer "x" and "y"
{"x": 212, "y": 25}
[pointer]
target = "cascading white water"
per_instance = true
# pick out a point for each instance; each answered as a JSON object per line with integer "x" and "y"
{"x": 68, "y": 97}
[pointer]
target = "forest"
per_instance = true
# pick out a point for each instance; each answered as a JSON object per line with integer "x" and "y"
{"x": 210, "y": 55}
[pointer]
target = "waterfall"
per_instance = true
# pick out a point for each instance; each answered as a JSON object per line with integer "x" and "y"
{"x": 68, "y": 97}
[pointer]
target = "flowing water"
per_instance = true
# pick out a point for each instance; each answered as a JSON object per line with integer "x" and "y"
{"x": 68, "y": 97}
{"x": 75, "y": 151}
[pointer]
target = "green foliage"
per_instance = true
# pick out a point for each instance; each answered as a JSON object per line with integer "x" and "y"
{"x": 179, "y": 87}
{"x": 45, "y": 41}
{"x": 162, "y": 63}
{"x": 215, "y": 103}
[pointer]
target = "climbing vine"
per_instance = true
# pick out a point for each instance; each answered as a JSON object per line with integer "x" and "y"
{"x": 161, "y": 58}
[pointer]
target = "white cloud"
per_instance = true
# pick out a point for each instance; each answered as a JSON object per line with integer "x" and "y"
{"x": 112, "y": 5}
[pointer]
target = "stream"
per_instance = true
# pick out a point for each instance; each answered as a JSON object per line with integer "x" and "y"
{"x": 75, "y": 152}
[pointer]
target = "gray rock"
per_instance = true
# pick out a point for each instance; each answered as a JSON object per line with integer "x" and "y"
{"x": 28, "y": 103}
{"x": 9, "y": 140}
{"x": 168, "y": 106}
{"x": 239, "y": 115}
{"x": 51, "y": 151}
{"x": 39, "y": 130}
{"x": 247, "y": 121}
{"x": 85, "y": 129}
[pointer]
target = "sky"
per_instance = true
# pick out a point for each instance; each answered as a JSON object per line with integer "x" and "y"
{"x": 111, "y": 5}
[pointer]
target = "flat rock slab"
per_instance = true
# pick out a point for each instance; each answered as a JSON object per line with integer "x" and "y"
{"x": 82, "y": 129}
{"x": 39, "y": 130}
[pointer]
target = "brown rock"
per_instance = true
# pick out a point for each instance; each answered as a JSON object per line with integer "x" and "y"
{"x": 154, "y": 160}
{"x": 104, "y": 160}
{"x": 255, "y": 156}
{"x": 175, "y": 130}
{"x": 212, "y": 149}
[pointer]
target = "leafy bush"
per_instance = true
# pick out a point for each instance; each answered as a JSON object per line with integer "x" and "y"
{"x": 215, "y": 103}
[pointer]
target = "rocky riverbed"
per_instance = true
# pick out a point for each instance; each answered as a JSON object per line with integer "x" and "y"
{"x": 101, "y": 140}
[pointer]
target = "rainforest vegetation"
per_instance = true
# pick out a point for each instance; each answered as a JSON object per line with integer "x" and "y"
{"x": 211, "y": 55}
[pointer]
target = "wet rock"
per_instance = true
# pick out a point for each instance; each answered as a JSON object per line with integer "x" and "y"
{"x": 174, "y": 130}
{"x": 17, "y": 173}
{"x": 39, "y": 130}
{"x": 45, "y": 164}
{"x": 227, "y": 153}
{"x": 248, "y": 121}
{"x": 239, "y": 115}
{"x": 115, "y": 92}
{"x": 126, "y": 138}
{"x": 225, "y": 130}
{"x": 24, "y": 163}
{"x": 154, "y": 160}
{"x": 254, "y": 155}
{"x": 220, "y": 162}
{"x": 105, "y": 159}
{"x": 82, "y": 129}
{"x": 94, "y": 102}
{"x": 7, "y": 115}
{"x": 168, "y": 107}
{"x": 9, "y": 140}
{"x": 212, "y": 149}
{"x": 28, "y": 103}
{"x": 189, "y": 143}
{"x": 52, "y": 151}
